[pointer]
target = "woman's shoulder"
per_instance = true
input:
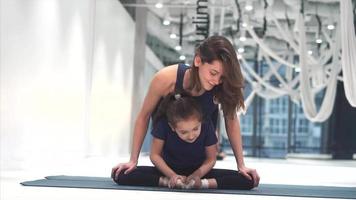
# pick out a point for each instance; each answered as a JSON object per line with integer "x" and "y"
{"x": 168, "y": 70}
{"x": 165, "y": 78}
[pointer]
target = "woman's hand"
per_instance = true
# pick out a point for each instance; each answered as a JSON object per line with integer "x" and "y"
{"x": 128, "y": 167}
{"x": 251, "y": 174}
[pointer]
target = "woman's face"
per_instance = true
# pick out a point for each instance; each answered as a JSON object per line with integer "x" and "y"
{"x": 188, "y": 129}
{"x": 210, "y": 74}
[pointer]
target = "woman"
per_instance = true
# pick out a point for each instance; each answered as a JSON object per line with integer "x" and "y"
{"x": 214, "y": 78}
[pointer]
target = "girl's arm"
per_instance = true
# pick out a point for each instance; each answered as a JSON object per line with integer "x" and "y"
{"x": 157, "y": 160}
{"x": 208, "y": 164}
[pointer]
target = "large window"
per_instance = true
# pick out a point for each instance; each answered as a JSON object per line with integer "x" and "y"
{"x": 275, "y": 127}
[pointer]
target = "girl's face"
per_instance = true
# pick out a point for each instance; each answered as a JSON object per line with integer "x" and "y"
{"x": 188, "y": 129}
{"x": 210, "y": 74}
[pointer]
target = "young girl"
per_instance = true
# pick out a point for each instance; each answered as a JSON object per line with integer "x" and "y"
{"x": 214, "y": 78}
{"x": 183, "y": 151}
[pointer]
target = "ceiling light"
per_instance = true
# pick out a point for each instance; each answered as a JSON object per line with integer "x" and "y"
{"x": 240, "y": 50}
{"x": 331, "y": 27}
{"x": 182, "y": 57}
{"x": 159, "y": 5}
{"x": 297, "y": 69}
{"x": 319, "y": 41}
{"x": 244, "y": 24}
{"x": 166, "y": 22}
{"x": 173, "y": 35}
{"x": 310, "y": 52}
{"x": 239, "y": 56}
{"x": 248, "y": 7}
{"x": 242, "y": 38}
{"x": 178, "y": 48}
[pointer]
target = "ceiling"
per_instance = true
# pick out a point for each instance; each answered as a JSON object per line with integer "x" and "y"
{"x": 225, "y": 19}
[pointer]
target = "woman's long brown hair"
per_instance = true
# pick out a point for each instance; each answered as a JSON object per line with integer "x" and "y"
{"x": 230, "y": 92}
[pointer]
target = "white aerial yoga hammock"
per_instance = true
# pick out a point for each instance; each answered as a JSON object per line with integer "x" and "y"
{"x": 267, "y": 49}
{"x": 348, "y": 44}
{"x": 307, "y": 95}
{"x": 315, "y": 74}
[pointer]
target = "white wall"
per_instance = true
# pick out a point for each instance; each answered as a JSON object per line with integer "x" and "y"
{"x": 112, "y": 80}
{"x": 66, "y": 79}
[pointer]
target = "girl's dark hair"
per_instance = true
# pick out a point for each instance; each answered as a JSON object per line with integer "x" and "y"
{"x": 176, "y": 108}
{"x": 230, "y": 92}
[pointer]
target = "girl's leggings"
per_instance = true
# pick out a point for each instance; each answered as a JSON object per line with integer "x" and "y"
{"x": 149, "y": 176}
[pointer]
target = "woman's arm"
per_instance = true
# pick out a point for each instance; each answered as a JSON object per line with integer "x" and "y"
{"x": 157, "y": 90}
{"x": 233, "y": 131}
{"x": 160, "y": 86}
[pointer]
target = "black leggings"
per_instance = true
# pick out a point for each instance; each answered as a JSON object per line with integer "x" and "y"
{"x": 149, "y": 176}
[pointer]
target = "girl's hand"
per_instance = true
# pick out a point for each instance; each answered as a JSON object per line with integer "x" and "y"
{"x": 176, "y": 181}
{"x": 128, "y": 167}
{"x": 250, "y": 174}
{"x": 193, "y": 182}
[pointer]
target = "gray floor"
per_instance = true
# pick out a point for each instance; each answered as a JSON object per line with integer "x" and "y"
{"x": 291, "y": 171}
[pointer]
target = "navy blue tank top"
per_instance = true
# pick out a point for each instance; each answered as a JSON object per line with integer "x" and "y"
{"x": 206, "y": 100}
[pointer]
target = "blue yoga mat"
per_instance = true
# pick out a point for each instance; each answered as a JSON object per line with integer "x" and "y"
{"x": 263, "y": 189}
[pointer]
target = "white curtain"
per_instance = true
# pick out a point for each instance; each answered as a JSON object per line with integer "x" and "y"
{"x": 66, "y": 79}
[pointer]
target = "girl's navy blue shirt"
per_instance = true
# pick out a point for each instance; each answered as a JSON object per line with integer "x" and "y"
{"x": 179, "y": 154}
